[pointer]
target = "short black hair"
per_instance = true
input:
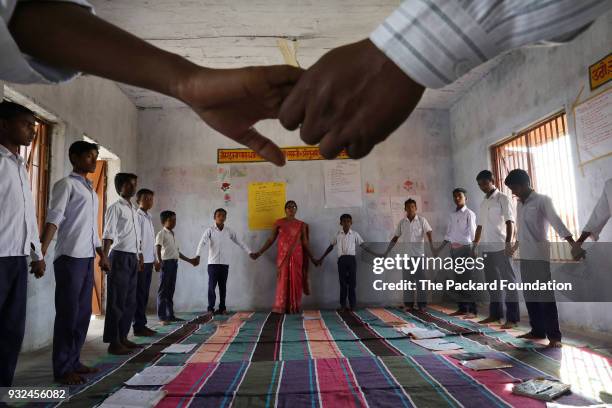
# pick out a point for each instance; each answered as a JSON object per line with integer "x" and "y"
{"x": 345, "y": 217}
{"x": 484, "y": 175}
{"x": 460, "y": 190}
{"x": 290, "y": 202}
{"x": 166, "y": 215}
{"x": 517, "y": 177}
{"x": 410, "y": 201}
{"x": 10, "y": 110}
{"x": 122, "y": 178}
{"x": 81, "y": 147}
{"x": 143, "y": 192}
{"x": 219, "y": 210}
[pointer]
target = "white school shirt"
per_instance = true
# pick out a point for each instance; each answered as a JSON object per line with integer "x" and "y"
{"x": 74, "y": 211}
{"x": 169, "y": 246}
{"x": 413, "y": 233}
{"x": 461, "y": 227}
{"x": 347, "y": 243}
{"x": 147, "y": 236}
{"x": 494, "y": 212}
{"x": 601, "y": 213}
{"x": 121, "y": 225}
{"x": 436, "y": 42}
{"x": 218, "y": 244}
{"x": 18, "y": 67}
{"x": 18, "y": 226}
{"x": 532, "y": 220}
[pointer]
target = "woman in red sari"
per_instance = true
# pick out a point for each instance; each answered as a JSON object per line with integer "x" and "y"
{"x": 291, "y": 261}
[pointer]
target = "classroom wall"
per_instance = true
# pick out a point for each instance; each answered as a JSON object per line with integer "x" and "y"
{"x": 526, "y": 86}
{"x": 177, "y": 159}
{"x": 90, "y": 106}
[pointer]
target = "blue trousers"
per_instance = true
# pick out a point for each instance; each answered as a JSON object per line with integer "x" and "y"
{"x": 497, "y": 267}
{"x": 347, "y": 276}
{"x": 541, "y": 305}
{"x": 217, "y": 275}
{"x": 13, "y": 295}
{"x": 142, "y": 296}
{"x": 165, "y": 293}
{"x": 73, "y": 289}
{"x": 121, "y": 296}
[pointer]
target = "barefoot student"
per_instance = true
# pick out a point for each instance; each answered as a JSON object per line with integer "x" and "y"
{"x": 534, "y": 213}
{"x": 122, "y": 237}
{"x": 218, "y": 237}
{"x": 73, "y": 213}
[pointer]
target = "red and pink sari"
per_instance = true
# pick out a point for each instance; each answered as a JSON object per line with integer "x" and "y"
{"x": 292, "y": 264}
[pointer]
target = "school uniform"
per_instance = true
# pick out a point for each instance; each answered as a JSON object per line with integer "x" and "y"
{"x": 347, "y": 244}
{"x": 147, "y": 246}
{"x": 19, "y": 238}
{"x": 534, "y": 215}
{"x": 413, "y": 233}
{"x": 74, "y": 211}
{"x": 601, "y": 213}
{"x": 219, "y": 256}
{"x": 170, "y": 256}
{"x": 495, "y": 212}
{"x": 121, "y": 227}
{"x": 460, "y": 233}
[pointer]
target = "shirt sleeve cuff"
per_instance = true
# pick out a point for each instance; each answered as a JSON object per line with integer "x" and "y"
{"x": 433, "y": 44}
{"x": 19, "y": 67}
{"x": 55, "y": 217}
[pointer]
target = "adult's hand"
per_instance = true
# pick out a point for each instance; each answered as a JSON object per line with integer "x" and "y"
{"x": 353, "y": 97}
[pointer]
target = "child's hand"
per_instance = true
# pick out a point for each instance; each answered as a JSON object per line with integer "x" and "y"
{"x": 195, "y": 261}
{"x": 104, "y": 263}
{"x": 38, "y": 268}
{"x": 254, "y": 255}
{"x": 157, "y": 266}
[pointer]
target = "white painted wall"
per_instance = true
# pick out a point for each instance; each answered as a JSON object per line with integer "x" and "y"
{"x": 90, "y": 106}
{"x": 177, "y": 159}
{"x": 526, "y": 86}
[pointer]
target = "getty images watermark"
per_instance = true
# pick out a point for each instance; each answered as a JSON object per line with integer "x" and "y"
{"x": 458, "y": 265}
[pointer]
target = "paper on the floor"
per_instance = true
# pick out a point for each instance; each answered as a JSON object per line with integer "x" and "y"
{"x": 485, "y": 364}
{"x": 541, "y": 388}
{"x": 467, "y": 356}
{"x": 179, "y": 348}
{"x": 154, "y": 375}
{"x": 421, "y": 332}
{"x": 436, "y": 344}
{"x": 127, "y": 398}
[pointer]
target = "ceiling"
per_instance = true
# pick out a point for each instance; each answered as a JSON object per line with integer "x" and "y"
{"x": 234, "y": 33}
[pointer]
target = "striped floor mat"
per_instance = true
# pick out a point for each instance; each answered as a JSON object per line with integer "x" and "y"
{"x": 352, "y": 359}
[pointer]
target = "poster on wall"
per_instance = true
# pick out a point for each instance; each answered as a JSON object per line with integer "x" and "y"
{"x": 342, "y": 183}
{"x": 266, "y": 204}
{"x": 397, "y": 206}
{"x": 593, "y": 119}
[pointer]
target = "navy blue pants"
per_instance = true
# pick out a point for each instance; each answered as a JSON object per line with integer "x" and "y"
{"x": 420, "y": 295}
{"x": 497, "y": 267}
{"x": 347, "y": 276}
{"x": 121, "y": 296}
{"x": 165, "y": 293}
{"x": 13, "y": 295}
{"x": 73, "y": 289}
{"x": 541, "y": 305}
{"x": 142, "y": 296}
{"x": 217, "y": 275}
{"x": 465, "y": 303}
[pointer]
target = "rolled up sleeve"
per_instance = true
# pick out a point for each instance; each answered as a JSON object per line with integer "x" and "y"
{"x": 18, "y": 67}
{"x": 110, "y": 224}
{"x": 437, "y": 41}
{"x": 601, "y": 213}
{"x": 59, "y": 200}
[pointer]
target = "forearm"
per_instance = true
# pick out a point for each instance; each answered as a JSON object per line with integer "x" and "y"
{"x": 265, "y": 246}
{"x": 478, "y": 234}
{"x": 509, "y": 231}
{"x": 391, "y": 245}
{"x": 583, "y": 237}
{"x": 184, "y": 258}
{"x": 47, "y": 236}
{"x": 69, "y": 36}
{"x": 327, "y": 251}
{"x": 106, "y": 244}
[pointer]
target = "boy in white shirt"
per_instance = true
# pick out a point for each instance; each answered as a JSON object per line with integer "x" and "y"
{"x": 144, "y": 198}
{"x": 168, "y": 251}
{"x": 73, "y": 213}
{"x": 414, "y": 228}
{"x": 218, "y": 237}
{"x": 122, "y": 237}
{"x": 347, "y": 241}
{"x": 18, "y": 235}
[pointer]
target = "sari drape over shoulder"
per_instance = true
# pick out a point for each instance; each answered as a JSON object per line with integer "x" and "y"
{"x": 292, "y": 267}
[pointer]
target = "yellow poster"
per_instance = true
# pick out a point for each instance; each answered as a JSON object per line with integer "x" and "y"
{"x": 266, "y": 204}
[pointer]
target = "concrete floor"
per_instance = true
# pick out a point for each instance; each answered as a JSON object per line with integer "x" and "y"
{"x": 34, "y": 368}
